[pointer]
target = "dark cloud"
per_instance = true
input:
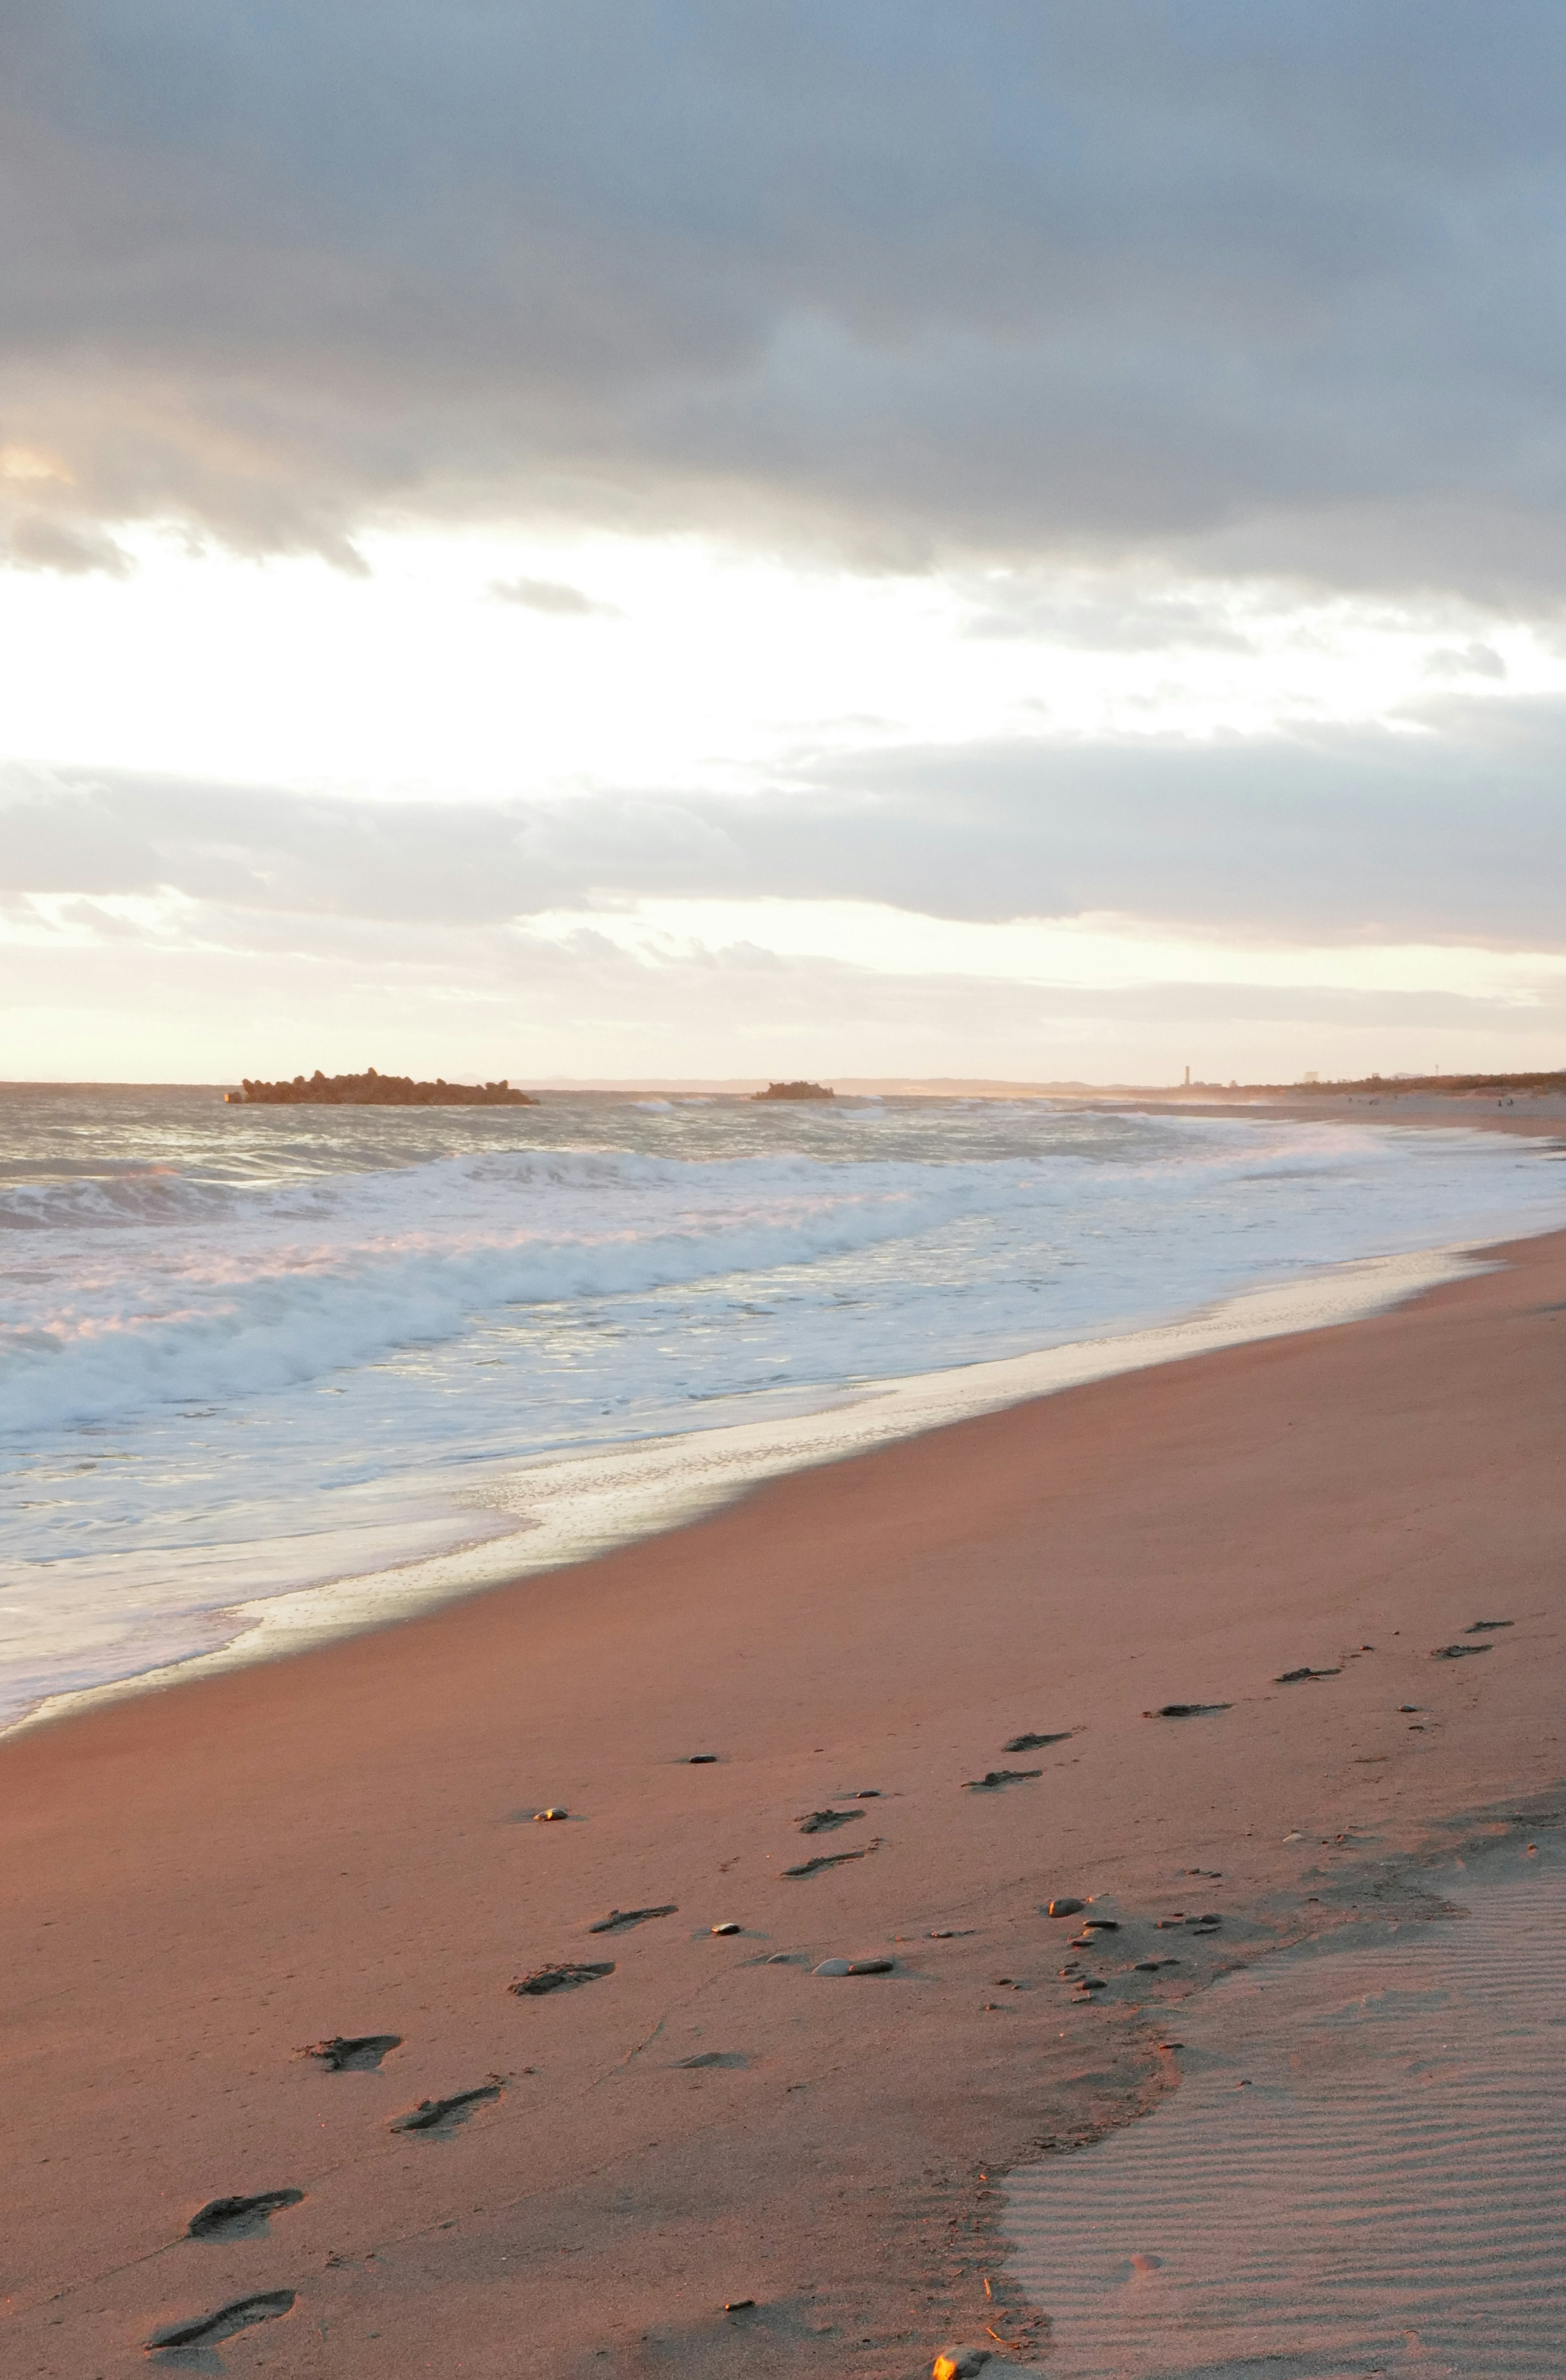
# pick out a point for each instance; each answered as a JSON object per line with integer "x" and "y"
{"x": 1262, "y": 289}
{"x": 39, "y": 542}
{"x": 1452, "y": 827}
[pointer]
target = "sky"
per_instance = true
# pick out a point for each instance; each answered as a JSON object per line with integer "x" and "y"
{"x": 900, "y": 538}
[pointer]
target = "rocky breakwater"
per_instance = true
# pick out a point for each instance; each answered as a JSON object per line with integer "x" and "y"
{"x": 372, "y": 1090}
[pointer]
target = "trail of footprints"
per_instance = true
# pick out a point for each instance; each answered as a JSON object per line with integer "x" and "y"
{"x": 246, "y": 2218}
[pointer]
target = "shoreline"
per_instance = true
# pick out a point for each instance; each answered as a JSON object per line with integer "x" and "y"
{"x": 546, "y": 1511}
{"x": 201, "y": 1881}
{"x": 569, "y": 1509}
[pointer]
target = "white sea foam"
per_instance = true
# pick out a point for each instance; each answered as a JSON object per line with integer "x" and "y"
{"x": 248, "y": 1353}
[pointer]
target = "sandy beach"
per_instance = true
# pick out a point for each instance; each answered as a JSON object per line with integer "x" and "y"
{"x": 202, "y": 1882}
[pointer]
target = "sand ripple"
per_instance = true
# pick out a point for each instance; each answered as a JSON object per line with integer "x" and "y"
{"x": 1362, "y": 2173}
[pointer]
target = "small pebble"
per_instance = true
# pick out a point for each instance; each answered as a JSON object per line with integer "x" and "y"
{"x": 550, "y": 1813}
{"x": 959, "y": 2363}
{"x": 728, "y": 1927}
{"x": 856, "y": 1967}
{"x": 1092, "y": 1984}
{"x": 1100, "y": 1924}
{"x": 1065, "y": 1907}
{"x": 702, "y": 1760}
{"x": 738, "y": 2305}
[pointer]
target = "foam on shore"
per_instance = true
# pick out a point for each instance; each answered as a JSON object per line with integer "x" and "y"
{"x": 555, "y": 1511}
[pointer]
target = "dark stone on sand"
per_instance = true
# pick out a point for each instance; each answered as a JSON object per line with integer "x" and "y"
{"x": 1187, "y": 1710}
{"x": 206, "y": 2329}
{"x": 738, "y": 2305}
{"x": 959, "y": 2363}
{"x": 436, "y": 2114}
{"x": 821, "y": 1822}
{"x": 620, "y": 1921}
{"x": 241, "y": 2218}
{"x": 728, "y": 1927}
{"x": 1092, "y": 1984}
{"x": 1293, "y": 1677}
{"x": 1036, "y": 1743}
{"x": 1459, "y": 1652}
{"x": 561, "y": 1979}
{"x": 702, "y": 1760}
{"x": 993, "y": 1779}
{"x": 356, "y": 2053}
{"x": 550, "y": 1813}
{"x": 1064, "y": 1906}
{"x": 856, "y": 1967}
{"x": 1100, "y": 1924}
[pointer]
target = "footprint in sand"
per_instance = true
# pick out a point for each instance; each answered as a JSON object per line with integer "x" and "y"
{"x": 226, "y": 2321}
{"x": 821, "y": 1822}
{"x": 561, "y": 1979}
{"x": 353, "y": 2052}
{"x": 831, "y": 1859}
{"x": 620, "y": 1921}
{"x": 241, "y": 2218}
{"x": 442, "y": 2116}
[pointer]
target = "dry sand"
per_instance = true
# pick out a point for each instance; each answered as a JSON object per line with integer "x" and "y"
{"x": 201, "y": 1882}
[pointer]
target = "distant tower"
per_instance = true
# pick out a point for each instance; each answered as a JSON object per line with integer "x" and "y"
{"x": 1187, "y": 1077}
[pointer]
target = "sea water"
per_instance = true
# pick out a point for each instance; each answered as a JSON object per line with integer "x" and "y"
{"x": 246, "y": 1351}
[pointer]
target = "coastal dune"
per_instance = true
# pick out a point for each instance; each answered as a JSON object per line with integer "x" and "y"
{"x": 202, "y": 1883}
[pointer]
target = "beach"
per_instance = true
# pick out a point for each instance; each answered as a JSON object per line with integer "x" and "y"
{"x": 204, "y": 1881}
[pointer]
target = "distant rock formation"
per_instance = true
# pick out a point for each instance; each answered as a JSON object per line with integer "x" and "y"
{"x": 795, "y": 1091}
{"x": 372, "y": 1090}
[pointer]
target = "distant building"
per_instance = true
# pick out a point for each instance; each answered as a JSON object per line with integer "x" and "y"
{"x": 1310, "y": 1075}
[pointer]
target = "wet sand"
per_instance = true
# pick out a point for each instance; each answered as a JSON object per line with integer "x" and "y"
{"x": 200, "y": 1883}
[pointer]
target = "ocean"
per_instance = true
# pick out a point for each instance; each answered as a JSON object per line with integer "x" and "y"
{"x": 247, "y": 1353}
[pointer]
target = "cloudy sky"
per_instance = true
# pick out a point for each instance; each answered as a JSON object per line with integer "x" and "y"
{"x": 980, "y": 537}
